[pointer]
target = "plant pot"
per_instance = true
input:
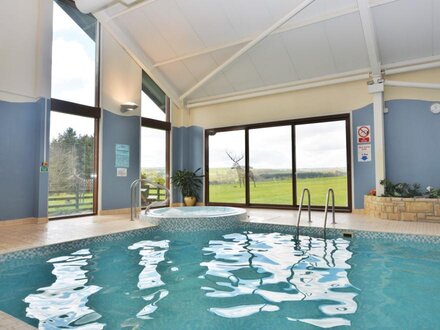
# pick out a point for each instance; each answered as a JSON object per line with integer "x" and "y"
{"x": 189, "y": 200}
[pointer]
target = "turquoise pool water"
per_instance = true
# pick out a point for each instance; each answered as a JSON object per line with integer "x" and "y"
{"x": 232, "y": 279}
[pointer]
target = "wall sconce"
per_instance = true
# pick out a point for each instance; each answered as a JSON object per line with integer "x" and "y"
{"x": 128, "y": 106}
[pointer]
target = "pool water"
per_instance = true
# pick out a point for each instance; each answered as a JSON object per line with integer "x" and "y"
{"x": 232, "y": 279}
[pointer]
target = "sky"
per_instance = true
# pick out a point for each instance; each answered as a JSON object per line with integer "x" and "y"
{"x": 320, "y": 145}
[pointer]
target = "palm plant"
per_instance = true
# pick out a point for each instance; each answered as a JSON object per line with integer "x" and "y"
{"x": 189, "y": 183}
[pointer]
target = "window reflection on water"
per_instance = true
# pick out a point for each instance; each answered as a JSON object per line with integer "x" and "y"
{"x": 240, "y": 275}
{"x": 152, "y": 253}
{"x": 64, "y": 303}
{"x": 280, "y": 270}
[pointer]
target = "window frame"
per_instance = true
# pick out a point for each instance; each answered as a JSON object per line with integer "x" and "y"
{"x": 164, "y": 126}
{"x": 293, "y": 123}
{"x": 83, "y": 110}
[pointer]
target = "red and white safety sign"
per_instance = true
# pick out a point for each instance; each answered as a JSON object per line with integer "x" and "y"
{"x": 363, "y": 134}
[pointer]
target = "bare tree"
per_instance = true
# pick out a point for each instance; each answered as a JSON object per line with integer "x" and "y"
{"x": 241, "y": 172}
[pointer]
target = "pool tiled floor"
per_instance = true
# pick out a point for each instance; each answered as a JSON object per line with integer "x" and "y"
{"x": 15, "y": 237}
{"x": 348, "y": 221}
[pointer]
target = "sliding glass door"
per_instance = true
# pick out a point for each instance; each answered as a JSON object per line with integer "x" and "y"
{"x": 226, "y": 173}
{"x": 270, "y": 164}
{"x": 72, "y": 161}
{"x": 321, "y": 161}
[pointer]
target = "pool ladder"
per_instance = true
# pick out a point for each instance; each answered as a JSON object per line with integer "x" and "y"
{"x": 305, "y": 190}
{"x": 330, "y": 192}
{"x": 135, "y": 199}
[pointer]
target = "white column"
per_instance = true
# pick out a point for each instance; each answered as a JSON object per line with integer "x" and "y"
{"x": 376, "y": 87}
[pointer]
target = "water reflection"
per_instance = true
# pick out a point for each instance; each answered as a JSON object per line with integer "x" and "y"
{"x": 63, "y": 304}
{"x": 152, "y": 253}
{"x": 277, "y": 268}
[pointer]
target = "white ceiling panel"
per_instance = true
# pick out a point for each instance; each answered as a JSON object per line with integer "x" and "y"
{"x": 179, "y": 75}
{"x": 347, "y": 45}
{"x": 146, "y": 35}
{"x": 223, "y": 54}
{"x": 208, "y": 20}
{"x": 217, "y": 86}
{"x": 280, "y": 8}
{"x": 310, "y": 51}
{"x": 272, "y": 61}
{"x": 404, "y": 30}
{"x": 321, "y": 8}
{"x": 200, "y": 66}
{"x": 243, "y": 75}
{"x": 187, "y": 40}
{"x": 247, "y": 19}
{"x": 168, "y": 18}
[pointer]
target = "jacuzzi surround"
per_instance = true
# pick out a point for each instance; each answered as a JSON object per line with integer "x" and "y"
{"x": 195, "y": 218}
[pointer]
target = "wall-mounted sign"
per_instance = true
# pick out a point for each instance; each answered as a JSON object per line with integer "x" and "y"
{"x": 121, "y": 171}
{"x": 364, "y": 153}
{"x": 122, "y": 155}
{"x": 363, "y": 134}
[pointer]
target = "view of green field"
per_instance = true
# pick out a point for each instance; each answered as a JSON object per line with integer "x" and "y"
{"x": 70, "y": 203}
{"x": 277, "y": 191}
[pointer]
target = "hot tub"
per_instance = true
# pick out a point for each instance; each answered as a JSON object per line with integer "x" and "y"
{"x": 192, "y": 218}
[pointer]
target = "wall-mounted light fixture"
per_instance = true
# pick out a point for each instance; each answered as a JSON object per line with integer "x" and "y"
{"x": 128, "y": 106}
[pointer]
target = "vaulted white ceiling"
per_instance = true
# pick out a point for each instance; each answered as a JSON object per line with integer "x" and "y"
{"x": 201, "y": 50}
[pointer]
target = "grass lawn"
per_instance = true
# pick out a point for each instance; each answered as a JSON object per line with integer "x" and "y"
{"x": 280, "y": 192}
{"x": 64, "y": 204}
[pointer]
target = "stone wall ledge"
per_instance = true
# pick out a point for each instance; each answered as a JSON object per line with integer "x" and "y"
{"x": 403, "y": 209}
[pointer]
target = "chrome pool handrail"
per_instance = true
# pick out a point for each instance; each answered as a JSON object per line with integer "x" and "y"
{"x": 332, "y": 193}
{"x": 300, "y": 208}
{"x": 133, "y": 195}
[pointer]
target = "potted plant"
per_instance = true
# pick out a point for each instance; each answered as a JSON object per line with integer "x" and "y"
{"x": 189, "y": 184}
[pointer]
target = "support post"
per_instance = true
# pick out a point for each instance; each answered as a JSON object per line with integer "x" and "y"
{"x": 376, "y": 88}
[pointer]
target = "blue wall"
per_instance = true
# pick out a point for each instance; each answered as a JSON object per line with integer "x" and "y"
{"x": 187, "y": 153}
{"x": 119, "y": 130}
{"x": 364, "y": 172}
{"x": 412, "y": 143}
{"x": 23, "y": 189}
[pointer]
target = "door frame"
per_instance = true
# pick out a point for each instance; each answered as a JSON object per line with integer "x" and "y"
{"x": 311, "y": 120}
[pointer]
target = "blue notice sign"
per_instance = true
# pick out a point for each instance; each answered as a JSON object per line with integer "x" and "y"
{"x": 122, "y": 155}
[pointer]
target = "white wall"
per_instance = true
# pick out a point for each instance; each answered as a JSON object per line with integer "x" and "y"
{"x": 121, "y": 77}
{"x": 26, "y": 49}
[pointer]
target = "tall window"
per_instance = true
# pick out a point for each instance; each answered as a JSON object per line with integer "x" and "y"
{"x": 321, "y": 160}
{"x": 73, "y": 54}
{"x": 270, "y": 164}
{"x": 226, "y": 172}
{"x": 155, "y": 137}
{"x": 74, "y": 115}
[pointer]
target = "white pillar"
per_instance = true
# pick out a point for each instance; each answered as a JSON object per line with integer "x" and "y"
{"x": 376, "y": 87}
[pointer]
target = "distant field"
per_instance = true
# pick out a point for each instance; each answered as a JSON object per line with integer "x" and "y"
{"x": 280, "y": 191}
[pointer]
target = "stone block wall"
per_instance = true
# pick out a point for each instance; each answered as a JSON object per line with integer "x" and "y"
{"x": 405, "y": 209}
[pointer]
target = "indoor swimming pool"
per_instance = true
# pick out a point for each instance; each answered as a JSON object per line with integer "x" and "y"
{"x": 244, "y": 276}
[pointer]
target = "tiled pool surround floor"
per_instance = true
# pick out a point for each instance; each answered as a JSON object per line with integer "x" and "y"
{"x": 15, "y": 237}
{"x": 25, "y": 236}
